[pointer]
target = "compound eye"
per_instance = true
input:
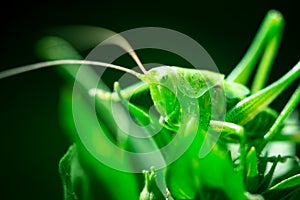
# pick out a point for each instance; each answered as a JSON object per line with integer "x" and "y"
{"x": 164, "y": 79}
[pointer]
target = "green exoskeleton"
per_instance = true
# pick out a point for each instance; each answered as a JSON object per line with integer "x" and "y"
{"x": 248, "y": 121}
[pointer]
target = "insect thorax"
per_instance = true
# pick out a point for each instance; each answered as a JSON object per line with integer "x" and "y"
{"x": 169, "y": 85}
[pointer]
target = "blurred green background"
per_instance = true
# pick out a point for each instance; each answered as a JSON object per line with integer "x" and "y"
{"x": 32, "y": 138}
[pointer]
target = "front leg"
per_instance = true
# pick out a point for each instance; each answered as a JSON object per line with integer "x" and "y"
{"x": 126, "y": 93}
{"x": 232, "y": 132}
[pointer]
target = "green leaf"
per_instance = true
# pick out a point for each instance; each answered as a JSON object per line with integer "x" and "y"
{"x": 66, "y": 170}
{"x": 292, "y": 172}
{"x": 54, "y": 48}
{"x": 190, "y": 175}
{"x": 286, "y": 189}
{"x": 96, "y": 140}
{"x": 182, "y": 179}
{"x": 96, "y": 143}
{"x": 217, "y": 171}
{"x": 287, "y": 183}
{"x": 251, "y": 170}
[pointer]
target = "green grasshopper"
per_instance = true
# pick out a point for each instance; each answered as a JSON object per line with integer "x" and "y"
{"x": 242, "y": 107}
{"x": 169, "y": 86}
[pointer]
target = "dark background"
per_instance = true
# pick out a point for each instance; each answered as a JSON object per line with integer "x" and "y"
{"x": 32, "y": 138}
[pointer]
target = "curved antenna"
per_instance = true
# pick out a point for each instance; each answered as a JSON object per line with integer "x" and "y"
{"x": 27, "y": 68}
{"x": 96, "y": 35}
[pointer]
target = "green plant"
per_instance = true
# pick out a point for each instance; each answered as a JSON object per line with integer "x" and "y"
{"x": 216, "y": 175}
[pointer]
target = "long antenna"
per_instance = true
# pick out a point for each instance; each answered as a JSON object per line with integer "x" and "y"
{"x": 120, "y": 41}
{"x": 26, "y": 68}
{"x": 96, "y": 35}
{"x": 137, "y": 60}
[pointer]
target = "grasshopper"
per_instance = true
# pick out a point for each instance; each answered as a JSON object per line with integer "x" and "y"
{"x": 170, "y": 85}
